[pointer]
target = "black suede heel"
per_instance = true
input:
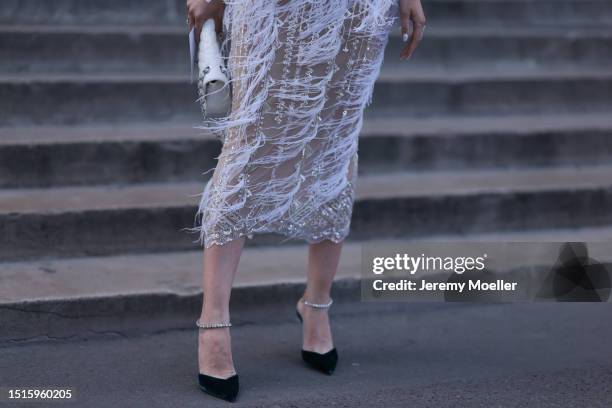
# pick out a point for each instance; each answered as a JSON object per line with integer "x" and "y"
{"x": 325, "y": 363}
{"x": 224, "y": 388}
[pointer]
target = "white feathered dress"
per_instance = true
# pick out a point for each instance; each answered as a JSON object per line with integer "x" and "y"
{"x": 302, "y": 72}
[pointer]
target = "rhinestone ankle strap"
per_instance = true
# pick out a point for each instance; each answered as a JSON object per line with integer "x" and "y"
{"x": 212, "y": 325}
{"x": 318, "y": 305}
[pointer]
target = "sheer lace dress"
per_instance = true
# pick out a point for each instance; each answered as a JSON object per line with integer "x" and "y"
{"x": 302, "y": 72}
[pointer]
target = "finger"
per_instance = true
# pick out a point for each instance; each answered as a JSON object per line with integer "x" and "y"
{"x": 418, "y": 24}
{"x": 405, "y": 24}
{"x": 219, "y": 19}
{"x": 188, "y": 12}
{"x": 190, "y": 20}
{"x": 218, "y": 24}
{"x": 415, "y": 39}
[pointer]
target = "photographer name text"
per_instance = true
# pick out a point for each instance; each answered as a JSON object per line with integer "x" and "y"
{"x": 476, "y": 285}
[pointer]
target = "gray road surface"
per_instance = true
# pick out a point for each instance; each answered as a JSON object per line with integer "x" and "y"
{"x": 391, "y": 355}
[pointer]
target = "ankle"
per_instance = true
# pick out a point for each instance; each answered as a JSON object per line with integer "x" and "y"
{"x": 214, "y": 315}
{"x": 316, "y": 297}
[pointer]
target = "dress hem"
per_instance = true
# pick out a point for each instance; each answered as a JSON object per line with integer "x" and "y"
{"x": 335, "y": 238}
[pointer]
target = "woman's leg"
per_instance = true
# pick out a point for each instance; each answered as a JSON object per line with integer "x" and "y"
{"x": 215, "y": 350}
{"x": 323, "y": 261}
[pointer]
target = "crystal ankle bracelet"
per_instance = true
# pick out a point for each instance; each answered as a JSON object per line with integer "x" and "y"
{"x": 212, "y": 325}
{"x": 318, "y": 305}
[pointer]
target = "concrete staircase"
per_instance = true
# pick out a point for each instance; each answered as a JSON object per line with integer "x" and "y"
{"x": 501, "y": 124}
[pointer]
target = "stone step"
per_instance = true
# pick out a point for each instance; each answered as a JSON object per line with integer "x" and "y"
{"x": 94, "y": 296}
{"x": 64, "y": 156}
{"x": 509, "y": 12}
{"x": 113, "y": 49}
{"x": 172, "y": 12}
{"x": 78, "y": 221}
{"x": 30, "y": 99}
{"x": 79, "y": 12}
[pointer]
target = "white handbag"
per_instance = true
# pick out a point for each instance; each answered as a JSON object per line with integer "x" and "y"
{"x": 213, "y": 82}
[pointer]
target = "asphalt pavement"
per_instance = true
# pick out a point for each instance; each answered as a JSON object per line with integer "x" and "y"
{"x": 391, "y": 355}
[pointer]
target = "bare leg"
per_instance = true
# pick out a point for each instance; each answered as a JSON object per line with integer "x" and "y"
{"x": 323, "y": 261}
{"x": 215, "y": 350}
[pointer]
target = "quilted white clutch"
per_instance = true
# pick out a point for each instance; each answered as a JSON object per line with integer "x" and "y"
{"x": 213, "y": 83}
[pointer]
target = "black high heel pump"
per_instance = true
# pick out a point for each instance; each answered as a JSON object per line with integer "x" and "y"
{"x": 326, "y": 362}
{"x": 224, "y": 388}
